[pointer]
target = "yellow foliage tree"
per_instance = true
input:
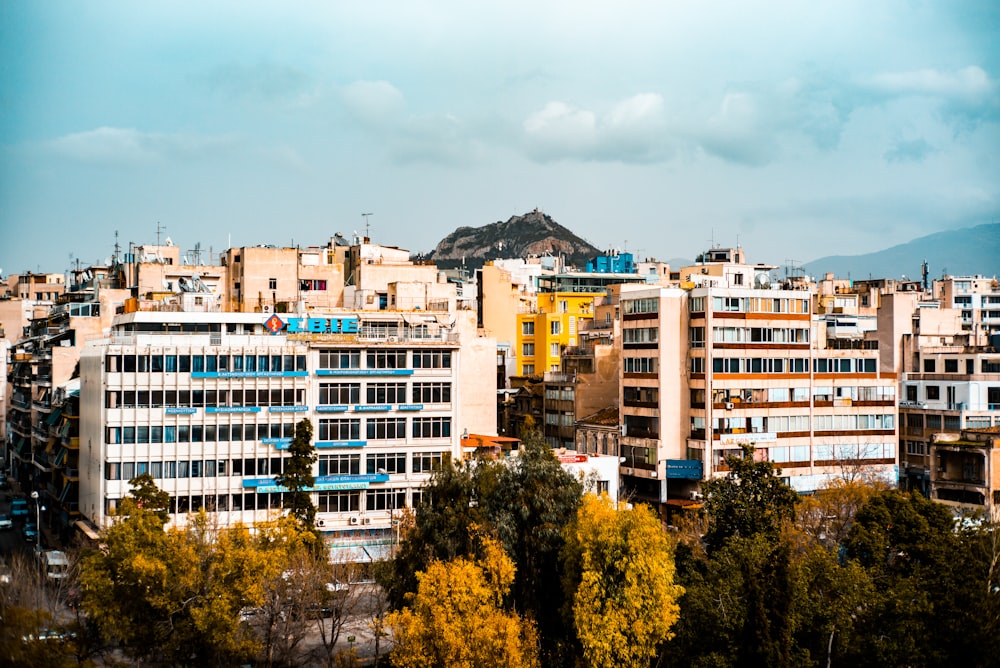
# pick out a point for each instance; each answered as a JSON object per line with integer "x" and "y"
{"x": 457, "y": 617}
{"x": 620, "y": 580}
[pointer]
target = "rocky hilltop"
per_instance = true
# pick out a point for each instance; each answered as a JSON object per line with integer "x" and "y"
{"x": 534, "y": 233}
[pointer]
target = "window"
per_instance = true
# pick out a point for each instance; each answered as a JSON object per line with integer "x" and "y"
{"x": 339, "y": 430}
{"x": 386, "y": 462}
{"x": 911, "y": 392}
{"x": 431, "y": 393}
{"x": 340, "y": 393}
{"x": 933, "y": 392}
{"x": 386, "y": 393}
{"x": 528, "y": 328}
{"x": 338, "y": 359}
{"x": 272, "y": 284}
{"x": 553, "y": 350}
{"x": 650, "y": 305}
{"x": 386, "y": 428}
{"x": 338, "y": 502}
{"x": 697, "y": 365}
{"x": 425, "y": 462}
{"x": 951, "y": 366}
{"x": 641, "y": 335}
{"x": 528, "y": 369}
{"x": 528, "y": 349}
{"x": 697, "y": 337}
{"x": 555, "y": 327}
{"x": 640, "y": 365}
{"x": 385, "y": 499}
{"x": 339, "y": 464}
{"x": 928, "y": 366}
{"x": 431, "y": 359}
{"x": 432, "y": 427}
{"x": 386, "y": 359}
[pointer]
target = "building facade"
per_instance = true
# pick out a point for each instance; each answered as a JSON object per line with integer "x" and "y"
{"x": 207, "y": 403}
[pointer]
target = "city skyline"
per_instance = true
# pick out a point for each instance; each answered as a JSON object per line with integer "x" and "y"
{"x": 796, "y": 130}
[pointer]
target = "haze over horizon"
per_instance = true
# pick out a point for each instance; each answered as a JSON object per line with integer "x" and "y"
{"x": 799, "y": 130}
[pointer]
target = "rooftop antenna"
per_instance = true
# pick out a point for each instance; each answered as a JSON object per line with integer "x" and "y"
{"x": 117, "y": 247}
{"x": 368, "y": 229}
{"x": 197, "y": 253}
{"x": 159, "y": 229}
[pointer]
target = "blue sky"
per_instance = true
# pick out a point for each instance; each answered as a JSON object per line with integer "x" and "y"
{"x": 798, "y": 129}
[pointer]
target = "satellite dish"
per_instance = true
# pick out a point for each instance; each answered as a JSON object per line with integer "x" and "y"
{"x": 762, "y": 281}
{"x": 168, "y": 241}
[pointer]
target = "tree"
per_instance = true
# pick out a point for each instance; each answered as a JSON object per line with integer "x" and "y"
{"x": 750, "y": 500}
{"x": 147, "y": 496}
{"x": 457, "y": 617}
{"x": 525, "y": 501}
{"x": 298, "y": 478}
{"x": 530, "y": 502}
{"x": 620, "y": 583}
{"x": 175, "y": 596}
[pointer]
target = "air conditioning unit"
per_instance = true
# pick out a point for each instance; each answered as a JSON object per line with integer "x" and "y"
{"x": 355, "y": 521}
{"x": 729, "y": 405}
{"x": 392, "y": 339}
{"x": 696, "y": 496}
{"x": 267, "y": 308}
{"x": 321, "y": 523}
{"x": 366, "y": 520}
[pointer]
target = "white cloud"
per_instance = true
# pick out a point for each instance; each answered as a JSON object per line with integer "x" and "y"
{"x": 969, "y": 81}
{"x": 374, "y": 102}
{"x": 128, "y": 146}
{"x": 633, "y": 130}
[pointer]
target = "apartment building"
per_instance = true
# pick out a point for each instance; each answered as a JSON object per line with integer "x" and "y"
{"x": 729, "y": 359}
{"x": 950, "y": 382}
{"x": 207, "y": 404}
{"x": 976, "y": 297}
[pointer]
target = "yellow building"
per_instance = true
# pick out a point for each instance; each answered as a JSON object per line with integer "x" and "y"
{"x": 553, "y": 324}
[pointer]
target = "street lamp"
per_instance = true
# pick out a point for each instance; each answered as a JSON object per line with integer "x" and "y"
{"x": 38, "y": 521}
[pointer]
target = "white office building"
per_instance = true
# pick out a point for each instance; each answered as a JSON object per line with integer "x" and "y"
{"x": 207, "y": 403}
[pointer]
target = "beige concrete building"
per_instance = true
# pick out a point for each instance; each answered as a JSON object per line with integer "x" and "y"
{"x": 966, "y": 471}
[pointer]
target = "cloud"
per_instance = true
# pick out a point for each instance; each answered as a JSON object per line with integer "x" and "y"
{"x": 915, "y": 150}
{"x": 967, "y": 96}
{"x": 128, "y": 146}
{"x": 266, "y": 81}
{"x": 969, "y": 81}
{"x": 374, "y": 103}
{"x": 632, "y": 131}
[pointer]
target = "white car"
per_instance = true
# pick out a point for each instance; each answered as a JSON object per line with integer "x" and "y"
{"x": 6, "y": 522}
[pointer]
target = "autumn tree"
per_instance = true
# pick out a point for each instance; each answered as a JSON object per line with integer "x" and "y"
{"x": 298, "y": 477}
{"x": 175, "y": 596}
{"x": 620, "y": 583}
{"x": 457, "y": 617}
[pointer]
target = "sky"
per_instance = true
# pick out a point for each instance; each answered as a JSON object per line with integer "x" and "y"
{"x": 794, "y": 129}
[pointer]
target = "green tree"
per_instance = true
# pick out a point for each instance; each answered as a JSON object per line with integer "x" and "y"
{"x": 298, "y": 478}
{"x": 620, "y": 583}
{"x": 750, "y": 500}
{"x": 147, "y": 496}
{"x": 457, "y": 617}
{"x": 529, "y": 502}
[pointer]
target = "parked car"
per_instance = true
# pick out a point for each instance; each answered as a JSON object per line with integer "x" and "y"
{"x": 6, "y": 522}
{"x": 30, "y": 532}
{"x": 19, "y": 508}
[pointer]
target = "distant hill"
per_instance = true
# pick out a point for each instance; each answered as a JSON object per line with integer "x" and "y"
{"x": 534, "y": 233}
{"x": 968, "y": 251}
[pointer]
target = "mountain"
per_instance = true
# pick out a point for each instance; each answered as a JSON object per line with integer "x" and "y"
{"x": 534, "y": 233}
{"x": 963, "y": 252}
